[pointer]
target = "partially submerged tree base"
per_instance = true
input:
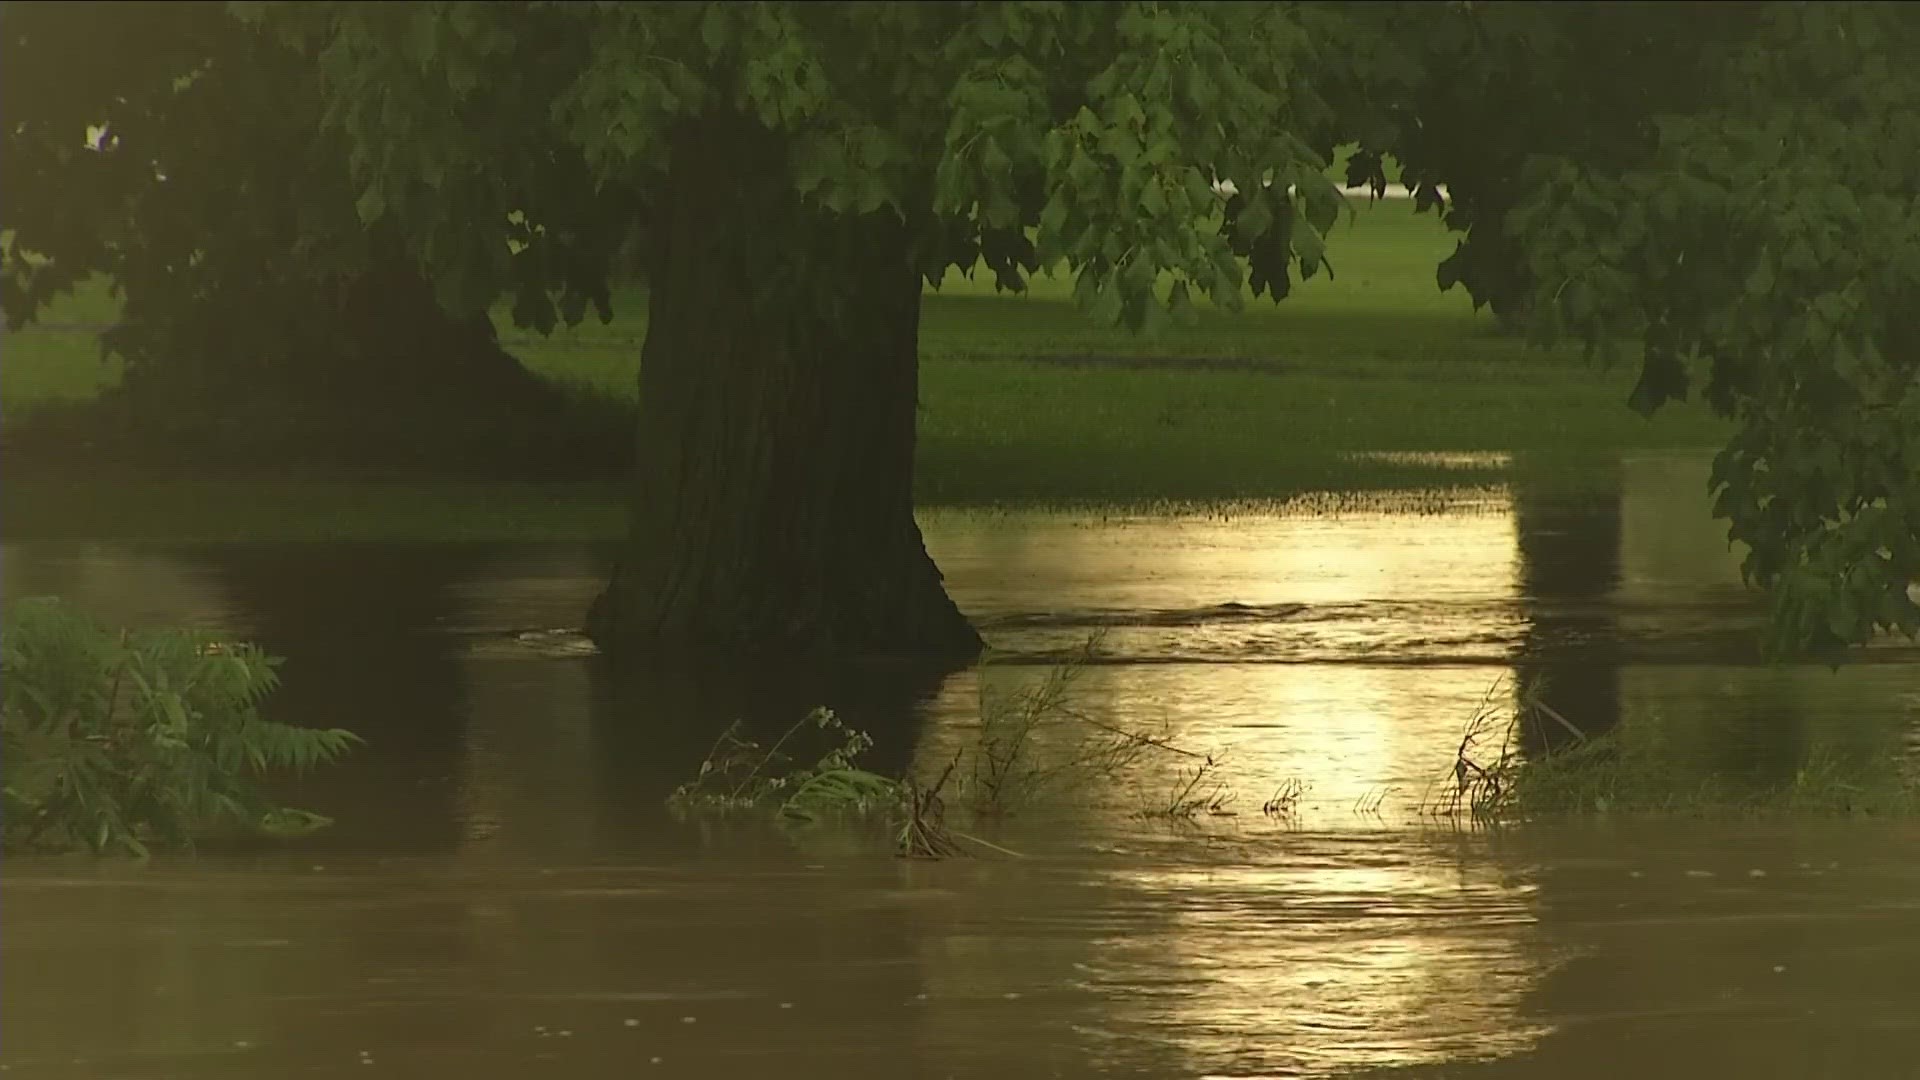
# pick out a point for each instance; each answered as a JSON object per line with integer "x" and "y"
{"x": 773, "y": 484}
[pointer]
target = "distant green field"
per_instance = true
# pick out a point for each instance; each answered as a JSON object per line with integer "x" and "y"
{"x": 1381, "y": 302}
{"x": 1024, "y": 403}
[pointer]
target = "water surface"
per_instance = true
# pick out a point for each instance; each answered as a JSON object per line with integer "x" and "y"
{"x": 505, "y": 896}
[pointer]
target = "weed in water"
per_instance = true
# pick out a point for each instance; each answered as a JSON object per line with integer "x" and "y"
{"x": 1285, "y": 800}
{"x": 1632, "y": 770}
{"x": 124, "y": 742}
{"x": 1370, "y": 802}
{"x": 1198, "y": 792}
{"x": 1016, "y": 758}
{"x": 923, "y": 827}
{"x": 1485, "y": 763}
{"x": 1010, "y": 763}
{"x": 739, "y": 774}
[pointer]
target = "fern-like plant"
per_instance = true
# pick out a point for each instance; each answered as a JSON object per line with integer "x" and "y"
{"x": 121, "y": 742}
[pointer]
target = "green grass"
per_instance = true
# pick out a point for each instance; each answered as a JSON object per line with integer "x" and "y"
{"x": 1383, "y": 303}
{"x": 1626, "y": 772}
{"x": 1262, "y": 404}
{"x": 51, "y": 367}
{"x": 1023, "y": 403}
{"x": 1609, "y": 777}
{"x": 218, "y": 510}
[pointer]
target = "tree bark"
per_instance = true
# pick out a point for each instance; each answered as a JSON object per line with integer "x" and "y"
{"x": 773, "y": 486}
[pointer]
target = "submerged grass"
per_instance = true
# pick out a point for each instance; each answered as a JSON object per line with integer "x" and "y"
{"x": 740, "y": 776}
{"x": 1518, "y": 759}
{"x": 1526, "y": 761}
{"x": 1034, "y": 742}
{"x": 1033, "y": 746}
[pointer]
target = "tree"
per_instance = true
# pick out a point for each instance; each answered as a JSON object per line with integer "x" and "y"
{"x": 798, "y": 170}
{"x": 804, "y": 167}
{"x": 1769, "y": 252}
{"x": 180, "y": 154}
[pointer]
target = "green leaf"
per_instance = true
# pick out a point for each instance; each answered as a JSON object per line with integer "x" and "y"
{"x": 1153, "y": 199}
{"x": 372, "y": 204}
{"x": 1255, "y": 219}
{"x": 715, "y": 34}
{"x": 1120, "y": 145}
{"x": 1843, "y": 617}
{"x": 1053, "y": 217}
{"x": 1311, "y": 249}
{"x": 1321, "y": 205}
{"x": 1180, "y": 304}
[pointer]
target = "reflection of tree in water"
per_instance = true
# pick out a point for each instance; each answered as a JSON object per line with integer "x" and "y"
{"x": 1569, "y": 567}
{"x": 1741, "y": 721}
{"x": 362, "y": 628}
{"x": 1644, "y": 573}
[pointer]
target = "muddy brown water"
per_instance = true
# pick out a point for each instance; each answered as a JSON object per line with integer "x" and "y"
{"x": 503, "y": 894}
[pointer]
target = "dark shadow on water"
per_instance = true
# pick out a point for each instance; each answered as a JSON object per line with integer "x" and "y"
{"x": 359, "y": 626}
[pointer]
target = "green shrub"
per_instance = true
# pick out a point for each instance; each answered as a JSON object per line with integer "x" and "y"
{"x": 120, "y": 742}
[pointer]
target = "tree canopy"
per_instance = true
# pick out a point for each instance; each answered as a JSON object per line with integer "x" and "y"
{"x": 1030, "y": 134}
{"x": 171, "y": 149}
{"x": 1716, "y": 190}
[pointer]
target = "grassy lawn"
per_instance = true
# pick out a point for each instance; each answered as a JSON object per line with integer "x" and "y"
{"x": 1023, "y": 403}
{"x": 212, "y": 510}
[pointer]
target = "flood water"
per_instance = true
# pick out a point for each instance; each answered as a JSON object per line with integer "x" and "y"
{"x": 505, "y": 895}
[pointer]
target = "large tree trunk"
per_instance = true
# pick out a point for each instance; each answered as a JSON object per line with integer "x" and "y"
{"x": 773, "y": 487}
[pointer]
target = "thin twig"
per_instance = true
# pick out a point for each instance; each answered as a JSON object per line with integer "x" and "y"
{"x": 985, "y": 843}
